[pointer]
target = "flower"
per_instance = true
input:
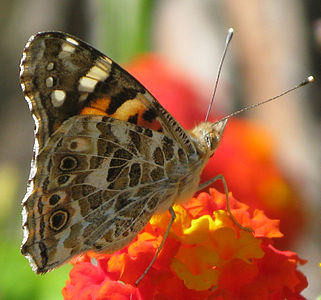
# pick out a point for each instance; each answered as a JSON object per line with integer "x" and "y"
{"x": 206, "y": 256}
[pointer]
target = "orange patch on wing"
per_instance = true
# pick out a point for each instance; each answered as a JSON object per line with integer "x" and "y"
{"x": 132, "y": 107}
{"x": 97, "y": 107}
{"x": 101, "y": 104}
{"x": 92, "y": 111}
{"x": 129, "y": 108}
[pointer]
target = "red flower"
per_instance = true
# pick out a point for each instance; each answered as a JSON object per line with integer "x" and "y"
{"x": 206, "y": 256}
{"x": 90, "y": 282}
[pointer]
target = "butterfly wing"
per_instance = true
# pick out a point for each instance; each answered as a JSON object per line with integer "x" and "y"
{"x": 96, "y": 177}
{"x": 96, "y": 185}
{"x": 62, "y": 76}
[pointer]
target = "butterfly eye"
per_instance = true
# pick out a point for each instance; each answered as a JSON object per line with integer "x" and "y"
{"x": 209, "y": 141}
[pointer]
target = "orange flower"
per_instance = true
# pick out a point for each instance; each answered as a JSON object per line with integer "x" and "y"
{"x": 206, "y": 256}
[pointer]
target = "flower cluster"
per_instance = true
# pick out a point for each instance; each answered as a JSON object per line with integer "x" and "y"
{"x": 206, "y": 256}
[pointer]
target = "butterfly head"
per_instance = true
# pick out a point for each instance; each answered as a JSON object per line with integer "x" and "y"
{"x": 208, "y": 136}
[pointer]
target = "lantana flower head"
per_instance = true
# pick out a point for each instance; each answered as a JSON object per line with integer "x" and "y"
{"x": 206, "y": 256}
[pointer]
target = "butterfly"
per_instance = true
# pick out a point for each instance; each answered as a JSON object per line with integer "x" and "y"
{"x": 107, "y": 155}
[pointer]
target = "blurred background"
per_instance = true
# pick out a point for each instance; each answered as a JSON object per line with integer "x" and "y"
{"x": 276, "y": 45}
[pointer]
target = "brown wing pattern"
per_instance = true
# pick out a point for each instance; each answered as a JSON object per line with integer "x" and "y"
{"x": 107, "y": 154}
{"x": 97, "y": 184}
{"x": 62, "y": 76}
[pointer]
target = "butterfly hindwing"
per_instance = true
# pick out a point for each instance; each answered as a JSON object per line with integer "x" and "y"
{"x": 94, "y": 189}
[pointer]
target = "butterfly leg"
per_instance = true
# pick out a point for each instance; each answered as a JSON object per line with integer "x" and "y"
{"x": 221, "y": 177}
{"x": 173, "y": 217}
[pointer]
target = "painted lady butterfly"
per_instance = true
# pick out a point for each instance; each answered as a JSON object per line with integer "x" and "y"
{"x": 107, "y": 155}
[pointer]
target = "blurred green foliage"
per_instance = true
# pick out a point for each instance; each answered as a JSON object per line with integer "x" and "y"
{"x": 124, "y": 27}
{"x": 18, "y": 281}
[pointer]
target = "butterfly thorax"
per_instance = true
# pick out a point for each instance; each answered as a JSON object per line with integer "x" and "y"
{"x": 206, "y": 137}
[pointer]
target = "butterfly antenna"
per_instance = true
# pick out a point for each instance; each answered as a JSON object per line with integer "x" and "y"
{"x": 303, "y": 83}
{"x": 227, "y": 42}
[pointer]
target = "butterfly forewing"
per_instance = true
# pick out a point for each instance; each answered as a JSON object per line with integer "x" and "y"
{"x": 63, "y": 76}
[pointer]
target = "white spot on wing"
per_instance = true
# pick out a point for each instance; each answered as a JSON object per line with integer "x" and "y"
{"x": 30, "y": 40}
{"x": 58, "y": 97}
{"x": 97, "y": 73}
{"x": 36, "y": 123}
{"x": 108, "y": 59}
{"x": 104, "y": 65}
{"x": 33, "y": 163}
{"x": 22, "y": 67}
{"x": 49, "y": 82}
{"x": 72, "y": 41}
{"x": 24, "y": 217}
{"x": 32, "y": 262}
{"x": 68, "y": 48}
{"x": 87, "y": 84}
{"x": 50, "y": 66}
{"x": 24, "y": 55}
{"x": 29, "y": 102}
